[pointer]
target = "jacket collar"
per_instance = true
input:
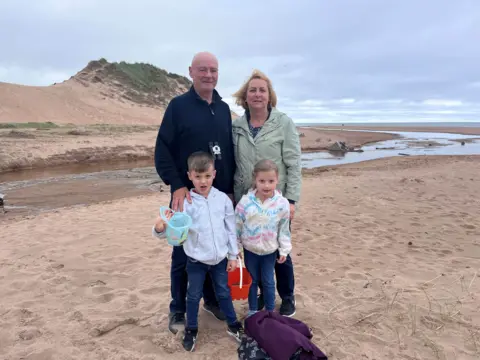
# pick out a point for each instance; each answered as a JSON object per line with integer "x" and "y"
{"x": 252, "y": 194}
{"x": 215, "y": 96}
{"x": 241, "y": 125}
{"x": 212, "y": 194}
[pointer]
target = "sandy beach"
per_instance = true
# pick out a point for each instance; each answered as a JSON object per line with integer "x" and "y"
{"x": 387, "y": 257}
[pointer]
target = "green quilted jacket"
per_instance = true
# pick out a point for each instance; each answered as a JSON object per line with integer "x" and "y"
{"x": 278, "y": 140}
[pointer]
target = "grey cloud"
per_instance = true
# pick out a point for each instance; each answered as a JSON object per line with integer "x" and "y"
{"x": 372, "y": 51}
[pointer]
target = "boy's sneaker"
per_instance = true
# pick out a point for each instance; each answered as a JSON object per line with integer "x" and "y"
{"x": 189, "y": 339}
{"x": 215, "y": 311}
{"x": 236, "y": 331}
{"x": 176, "y": 322}
{"x": 260, "y": 302}
{"x": 288, "y": 308}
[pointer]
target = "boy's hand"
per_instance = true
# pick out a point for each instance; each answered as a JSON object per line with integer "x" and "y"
{"x": 159, "y": 225}
{"x": 231, "y": 265}
{"x": 282, "y": 259}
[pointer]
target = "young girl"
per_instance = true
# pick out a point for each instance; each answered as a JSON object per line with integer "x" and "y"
{"x": 262, "y": 221}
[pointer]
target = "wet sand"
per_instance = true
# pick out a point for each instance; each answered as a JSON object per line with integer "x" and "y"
{"x": 386, "y": 254}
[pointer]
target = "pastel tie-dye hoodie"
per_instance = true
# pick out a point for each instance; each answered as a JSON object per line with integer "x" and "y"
{"x": 263, "y": 228}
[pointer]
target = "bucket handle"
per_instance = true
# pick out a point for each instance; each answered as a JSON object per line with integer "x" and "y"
{"x": 241, "y": 270}
{"x": 163, "y": 209}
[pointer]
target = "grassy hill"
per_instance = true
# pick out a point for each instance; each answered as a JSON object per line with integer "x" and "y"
{"x": 141, "y": 83}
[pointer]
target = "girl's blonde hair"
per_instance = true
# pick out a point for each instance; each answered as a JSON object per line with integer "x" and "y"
{"x": 241, "y": 95}
{"x": 262, "y": 166}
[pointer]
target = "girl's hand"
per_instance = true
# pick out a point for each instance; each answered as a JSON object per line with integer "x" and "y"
{"x": 282, "y": 259}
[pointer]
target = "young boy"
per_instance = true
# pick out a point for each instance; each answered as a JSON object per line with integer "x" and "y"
{"x": 211, "y": 239}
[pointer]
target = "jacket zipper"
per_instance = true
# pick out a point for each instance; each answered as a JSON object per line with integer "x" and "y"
{"x": 213, "y": 231}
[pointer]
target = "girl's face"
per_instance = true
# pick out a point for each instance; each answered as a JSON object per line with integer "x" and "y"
{"x": 266, "y": 183}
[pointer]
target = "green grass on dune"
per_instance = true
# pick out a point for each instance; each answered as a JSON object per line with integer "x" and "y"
{"x": 29, "y": 125}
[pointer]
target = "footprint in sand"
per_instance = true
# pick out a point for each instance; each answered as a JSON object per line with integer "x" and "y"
{"x": 29, "y": 334}
{"x": 469, "y": 227}
{"x": 356, "y": 276}
{"x": 105, "y": 298}
{"x": 155, "y": 290}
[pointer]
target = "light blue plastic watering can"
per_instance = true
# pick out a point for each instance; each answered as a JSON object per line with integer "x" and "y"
{"x": 177, "y": 227}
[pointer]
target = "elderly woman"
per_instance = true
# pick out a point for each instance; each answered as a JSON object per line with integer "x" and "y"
{"x": 263, "y": 132}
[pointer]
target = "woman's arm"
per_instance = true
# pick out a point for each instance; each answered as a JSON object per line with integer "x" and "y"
{"x": 291, "y": 154}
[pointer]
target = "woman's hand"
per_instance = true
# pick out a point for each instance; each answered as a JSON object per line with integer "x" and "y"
{"x": 282, "y": 259}
{"x": 292, "y": 211}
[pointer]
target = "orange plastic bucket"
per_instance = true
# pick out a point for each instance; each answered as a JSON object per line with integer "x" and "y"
{"x": 239, "y": 282}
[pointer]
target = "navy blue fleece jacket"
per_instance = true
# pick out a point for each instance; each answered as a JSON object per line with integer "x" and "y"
{"x": 191, "y": 124}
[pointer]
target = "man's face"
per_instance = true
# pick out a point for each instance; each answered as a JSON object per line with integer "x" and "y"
{"x": 202, "y": 181}
{"x": 204, "y": 73}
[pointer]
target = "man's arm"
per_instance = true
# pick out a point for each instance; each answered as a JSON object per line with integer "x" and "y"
{"x": 231, "y": 158}
{"x": 164, "y": 163}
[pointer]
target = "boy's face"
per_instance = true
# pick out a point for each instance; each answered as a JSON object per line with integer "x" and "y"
{"x": 202, "y": 181}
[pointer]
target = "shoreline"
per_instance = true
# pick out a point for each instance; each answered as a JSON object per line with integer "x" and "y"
{"x": 431, "y": 129}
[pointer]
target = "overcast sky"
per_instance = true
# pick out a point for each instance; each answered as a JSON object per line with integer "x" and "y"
{"x": 329, "y": 60}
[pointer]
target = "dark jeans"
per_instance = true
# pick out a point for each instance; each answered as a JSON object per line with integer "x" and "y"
{"x": 261, "y": 268}
{"x": 285, "y": 279}
{"x": 197, "y": 271}
{"x": 179, "y": 282}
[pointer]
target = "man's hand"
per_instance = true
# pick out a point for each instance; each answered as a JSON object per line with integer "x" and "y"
{"x": 178, "y": 198}
{"x": 231, "y": 265}
{"x": 292, "y": 211}
{"x": 282, "y": 259}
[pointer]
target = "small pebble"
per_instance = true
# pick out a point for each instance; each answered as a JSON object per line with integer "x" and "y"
{"x": 410, "y": 243}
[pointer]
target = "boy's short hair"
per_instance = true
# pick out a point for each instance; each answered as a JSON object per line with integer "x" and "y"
{"x": 200, "y": 161}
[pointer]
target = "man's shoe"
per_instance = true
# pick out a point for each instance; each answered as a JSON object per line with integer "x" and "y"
{"x": 215, "y": 311}
{"x": 288, "y": 308}
{"x": 189, "y": 339}
{"x": 236, "y": 331}
{"x": 260, "y": 302}
{"x": 176, "y": 322}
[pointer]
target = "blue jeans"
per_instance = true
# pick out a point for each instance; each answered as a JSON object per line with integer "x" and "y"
{"x": 261, "y": 268}
{"x": 197, "y": 271}
{"x": 179, "y": 281}
{"x": 285, "y": 277}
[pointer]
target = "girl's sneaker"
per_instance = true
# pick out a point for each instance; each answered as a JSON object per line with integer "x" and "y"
{"x": 189, "y": 339}
{"x": 236, "y": 331}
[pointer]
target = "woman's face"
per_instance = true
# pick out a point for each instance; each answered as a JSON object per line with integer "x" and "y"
{"x": 257, "y": 94}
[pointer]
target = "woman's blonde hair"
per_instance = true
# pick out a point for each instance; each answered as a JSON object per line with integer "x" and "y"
{"x": 241, "y": 95}
{"x": 262, "y": 166}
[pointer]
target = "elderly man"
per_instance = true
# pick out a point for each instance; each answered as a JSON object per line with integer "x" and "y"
{"x": 196, "y": 120}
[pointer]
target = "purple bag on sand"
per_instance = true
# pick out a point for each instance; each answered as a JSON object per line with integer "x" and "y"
{"x": 281, "y": 337}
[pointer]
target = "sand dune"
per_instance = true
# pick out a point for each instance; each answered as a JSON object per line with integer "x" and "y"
{"x": 387, "y": 255}
{"x": 70, "y": 103}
